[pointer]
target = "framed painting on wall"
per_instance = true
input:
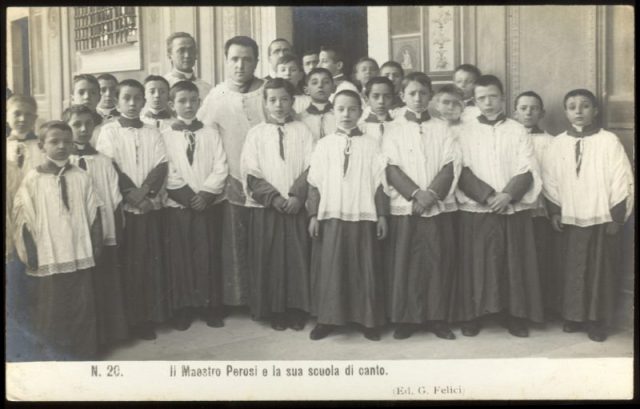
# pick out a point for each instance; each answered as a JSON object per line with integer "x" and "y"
{"x": 407, "y": 51}
{"x": 442, "y": 41}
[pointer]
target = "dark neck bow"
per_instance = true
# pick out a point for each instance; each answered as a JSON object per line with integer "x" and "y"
{"x": 470, "y": 103}
{"x": 110, "y": 114}
{"x": 53, "y": 169}
{"x": 179, "y": 125}
{"x": 491, "y": 122}
{"x": 313, "y": 110}
{"x": 586, "y": 131}
{"x": 347, "y": 149}
{"x": 273, "y": 121}
{"x": 352, "y": 132}
{"x": 280, "y": 125}
{"x": 164, "y": 114}
{"x": 535, "y": 130}
{"x": 412, "y": 117}
{"x": 373, "y": 119}
{"x": 29, "y": 136}
{"x": 87, "y": 150}
{"x": 130, "y": 123}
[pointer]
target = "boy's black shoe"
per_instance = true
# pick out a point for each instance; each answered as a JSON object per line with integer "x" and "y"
{"x": 470, "y": 328}
{"x": 442, "y": 330}
{"x": 320, "y": 331}
{"x": 181, "y": 321}
{"x": 596, "y": 332}
{"x": 572, "y": 326}
{"x": 518, "y": 327}
{"x": 372, "y": 334}
{"x": 404, "y": 331}
{"x": 297, "y": 320}
{"x": 145, "y": 332}
{"x": 278, "y": 322}
{"x": 214, "y": 318}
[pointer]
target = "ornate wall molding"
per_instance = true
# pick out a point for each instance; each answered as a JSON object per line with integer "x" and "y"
{"x": 513, "y": 53}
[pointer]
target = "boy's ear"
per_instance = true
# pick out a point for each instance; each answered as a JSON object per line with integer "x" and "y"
{"x": 171, "y": 104}
{"x": 542, "y": 113}
{"x": 305, "y": 89}
{"x": 340, "y": 65}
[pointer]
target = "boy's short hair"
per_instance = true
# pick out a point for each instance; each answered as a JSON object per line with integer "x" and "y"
{"x": 488, "y": 80}
{"x": 277, "y": 83}
{"x": 450, "y": 89}
{"x": 580, "y": 92}
{"x": 309, "y": 52}
{"x": 349, "y": 93}
{"x": 287, "y": 58}
{"x": 528, "y": 94}
{"x": 470, "y": 68}
{"x": 365, "y": 59}
{"x": 76, "y": 110}
{"x": 178, "y": 34}
{"x": 182, "y": 86}
{"x": 393, "y": 64}
{"x": 318, "y": 70}
{"x": 242, "y": 41}
{"x": 129, "y": 83}
{"x": 277, "y": 40}
{"x": 157, "y": 78}
{"x": 337, "y": 55}
{"x": 46, "y": 127}
{"x": 107, "y": 77}
{"x": 419, "y": 77}
{"x": 84, "y": 77}
{"x": 23, "y": 99}
{"x": 377, "y": 80}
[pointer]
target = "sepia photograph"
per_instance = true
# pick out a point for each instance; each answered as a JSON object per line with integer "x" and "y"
{"x": 319, "y": 202}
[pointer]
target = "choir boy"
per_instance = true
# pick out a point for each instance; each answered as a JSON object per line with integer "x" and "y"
{"x": 465, "y": 77}
{"x": 319, "y": 116}
{"x": 107, "y": 106}
{"x": 589, "y": 183}
{"x": 376, "y": 118}
{"x": 157, "y": 112}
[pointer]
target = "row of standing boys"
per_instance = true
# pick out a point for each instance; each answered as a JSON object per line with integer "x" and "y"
{"x": 363, "y": 202}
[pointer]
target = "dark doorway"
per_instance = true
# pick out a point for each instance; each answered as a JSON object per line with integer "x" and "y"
{"x": 20, "y": 50}
{"x": 342, "y": 27}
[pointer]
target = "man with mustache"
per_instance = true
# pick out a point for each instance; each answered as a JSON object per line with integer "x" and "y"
{"x": 183, "y": 53}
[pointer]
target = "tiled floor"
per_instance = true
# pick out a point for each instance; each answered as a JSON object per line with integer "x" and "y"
{"x": 244, "y": 339}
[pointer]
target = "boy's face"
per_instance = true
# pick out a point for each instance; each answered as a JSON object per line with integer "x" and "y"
{"x": 465, "y": 81}
{"x": 449, "y": 106}
{"x": 186, "y": 104}
{"x": 310, "y": 62}
{"x": 157, "y": 95}
{"x": 327, "y": 61}
{"x": 241, "y": 63}
{"x": 82, "y": 126}
{"x": 57, "y": 144}
{"x": 86, "y": 93}
{"x": 580, "y": 110}
{"x": 289, "y": 72}
{"x": 107, "y": 94}
{"x": 130, "y": 101}
{"x": 416, "y": 96}
{"x": 365, "y": 71}
{"x": 380, "y": 99}
{"x": 320, "y": 87}
{"x": 347, "y": 111}
{"x": 489, "y": 100}
{"x": 183, "y": 54}
{"x": 21, "y": 117}
{"x": 279, "y": 103}
{"x": 528, "y": 111}
{"x": 394, "y": 75}
{"x": 277, "y": 50}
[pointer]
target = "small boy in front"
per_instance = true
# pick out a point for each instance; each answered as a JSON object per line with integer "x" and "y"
{"x": 274, "y": 164}
{"x": 348, "y": 209}
{"x": 465, "y": 77}
{"x": 111, "y": 319}
{"x": 139, "y": 154}
{"x": 319, "y": 116}
{"x": 529, "y": 110}
{"x": 197, "y": 172}
{"x": 58, "y": 236}
{"x": 107, "y": 106}
{"x": 588, "y": 181}
{"x": 156, "y": 111}
{"x": 376, "y": 119}
{"x": 423, "y": 168}
{"x": 498, "y": 187}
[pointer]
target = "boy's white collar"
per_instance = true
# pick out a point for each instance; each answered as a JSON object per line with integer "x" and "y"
{"x": 186, "y": 121}
{"x": 59, "y": 163}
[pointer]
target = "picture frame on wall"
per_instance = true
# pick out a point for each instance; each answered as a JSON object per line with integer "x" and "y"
{"x": 407, "y": 52}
